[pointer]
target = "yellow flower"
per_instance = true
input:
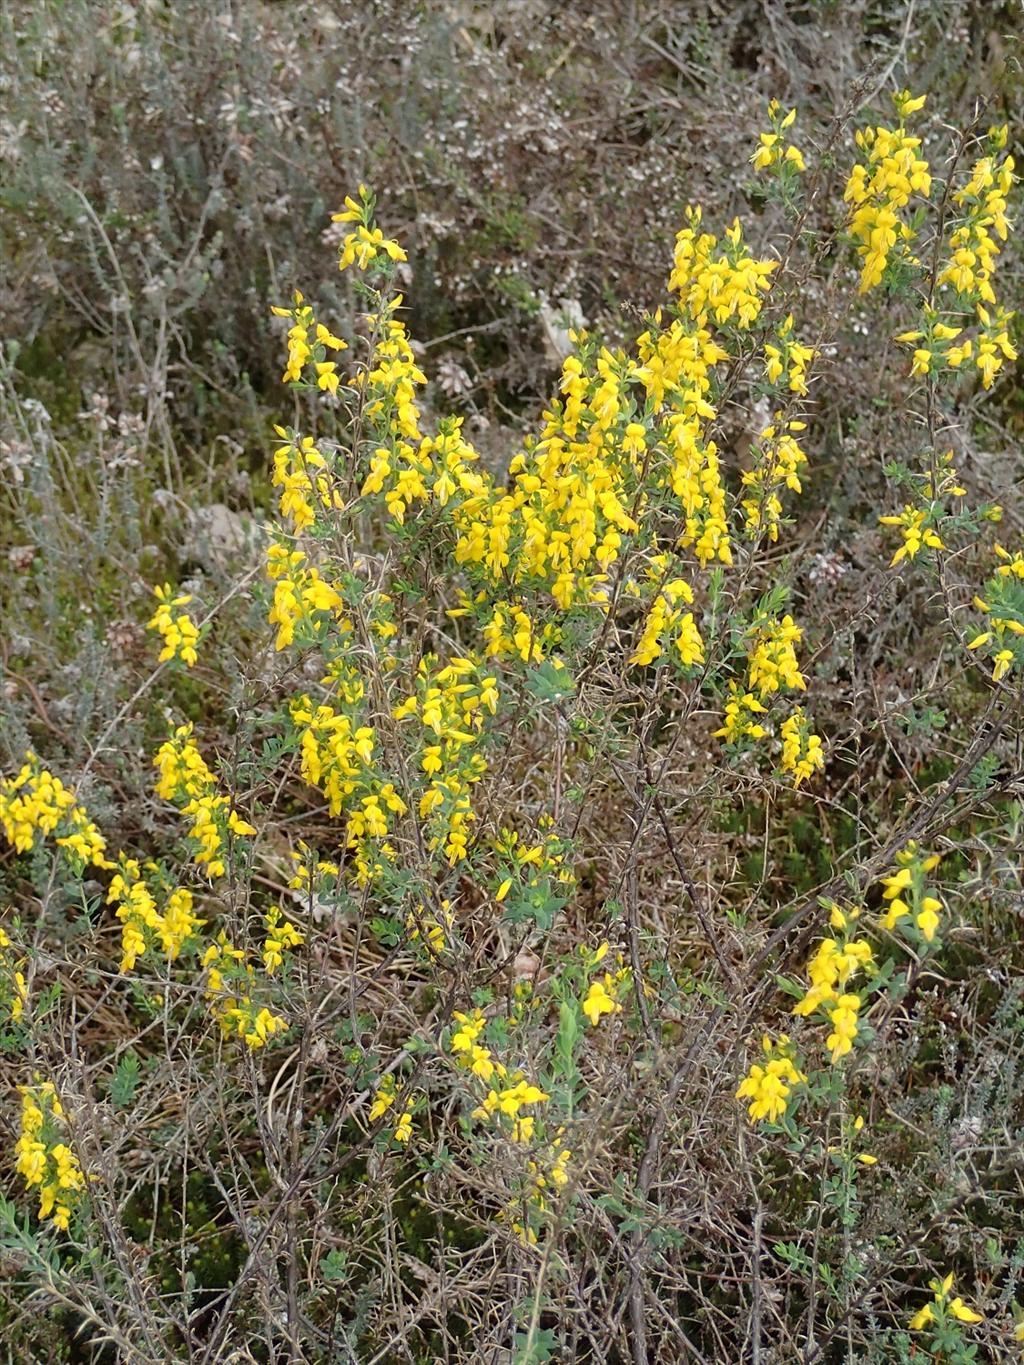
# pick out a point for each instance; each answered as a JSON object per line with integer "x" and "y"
{"x": 1002, "y": 661}
{"x": 282, "y": 936}
{"x": 600, "y": 999}
{"x": 922, "y": 361}
{"x": 927, "y": 918}
{"x": 907, "y": 892}
{"x": 366, "y": 245}
{"x": 769, "y": 151}
{"x": 922, "y": 1318}
{"x": 908, "y": 104}
{"x": 962, "y": 1313}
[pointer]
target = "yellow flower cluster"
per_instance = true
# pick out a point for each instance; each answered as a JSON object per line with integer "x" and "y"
{"x": 390, "y": 381}
{"x": 718, "y": 280}
{"x": 772, "y": 149}
{"x": 842, "y": 1015}
{"x": 666, "y": 619}
{"x": 300, "y": 472}
{"x": 383, "y": 1099}
{"x": 880, "y": 187}
{"x": 300, "y": 596}
{"x": 993, "y": 345}
{"x": 619, "y": 428}
{"x": 1003, "y": 604}
{"x": 973, "y": 249}
{"x": 510, "y": 632}
{"x": 772, "y": 667}
{"x": 335, "y": 751}
{"x": 309, "y": 342}
{"x": 740, "y": 710}
{"x": 431, "y": 927}
{"x": 337, "y": 756}
{"x": 562, "y": 521}
{"x": 604, "y": 993}
{"x": 282, "y": 937}
{"x": 988, "y": 350}
{"x": 942, "y": 1307}
{"x": 143, "y": 925}
{"x": 828, "y": 972}
{"x": 450, "y": 704}
{"x": 915, "y": 525}
{"x": 438, "y": 468}
{"x": 935, "y": 333}
{"x": 407, "y": 466}
{"x": 838, "y": 960}
{"x": 183, "y": 770}
{"x": 367, "y": 243}
{"x": 968, "y": 271}
{"x": 36, "y": 804}
{"x": 802, "y": 753}
{"x": 13, "y": 990}
{"x": 676, "y": 367}
{"x": 771, "y": 656}
{"x": 527, "y": 867}
{"x": 510, "y": 1099}
{"x": 468, "y": 1052}
{"x": 769, "y": 1085}
{"x": 908, "y": 893}
{"x": 311, "y": 873}
{"x": 777, "y": 461}
{"x": 230, "y": 984}
{"x": 175, "y": 627}
{"x": 572, "y": 491}
{"x": 44, "y": 1159}
{"x": 186, "y": 780}
{"x": 788, "y": 358}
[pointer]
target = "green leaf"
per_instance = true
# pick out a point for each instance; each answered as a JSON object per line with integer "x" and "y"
{"x": 791, "y": 987}
{"x": 549, "y": 683}
{"x": 535, "y": 1348}
{"x": 124, "y": 1082}
{"x": 983, "y": 773}
{"x": 334, "y": 1266}
{"x": 568, "y": 1034}
{"x": 540, "y": 905}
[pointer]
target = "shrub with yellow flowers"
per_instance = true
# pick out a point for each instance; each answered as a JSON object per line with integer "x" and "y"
{"x": 466, "y": 882}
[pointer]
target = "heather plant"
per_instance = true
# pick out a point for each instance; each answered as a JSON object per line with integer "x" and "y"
{"x": 516, "y": 955}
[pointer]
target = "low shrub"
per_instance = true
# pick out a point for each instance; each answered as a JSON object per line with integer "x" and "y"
{"x": 515, "y": 957}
